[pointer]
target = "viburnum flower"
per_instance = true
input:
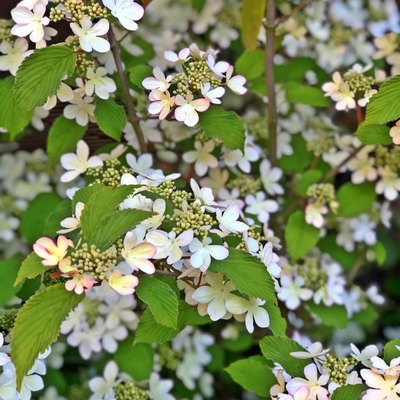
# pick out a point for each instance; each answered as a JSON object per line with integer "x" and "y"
{"x": 365, "y": 355}
{"x": 202, "y": 157}
{"x": 235, "y": 83}
{"x": 158, "y": 82}
{"x": 52, "y": 253}
{"x": 315, "y": 214}
{"x": 292, "y": 291}
{"x": 204, "y": 196}
{"x": 64, "y": 94}
{"x": 259, "y": 206}
{"x": 188, "y": 107}
{"x": 161, "y": 105}
{"x": 99, "y": 83}
{"x": 379, "y": 365}
{"x": 228, "y": 220}
{"x": 363, "y": 167}
{"x": 389, "y": 183}
{"x": 179, "y": 58}
{"x": 204, "y": 251}
{"x": 89, "y": 34}
{"x": 159, "y": 388}
{"x": 103, "y": 388}
{"x": 270, "y": 178}
{"x": 81, "y": 110}
{"x": 270, "y": 260}
{"x": 394, "y": 130}
{"x": 123, "y": 284}
{"x": 137, "y": 254}
{"x": 315, "y": 350}
{"x": 383, "y": 387}
{"x": 213, "y": 95}
{"x": 126, "y": 11}
{"x": 219, "y": 68}
{"x": 339, "y": 91}
{"x": 4, "y": 358}
{"x": 77, "y": 164}
{"x": 30, "y": 22}
{"x": 14, "y": 54}
{"x": 71, "y": 223}
{"x": 79, "y": 283}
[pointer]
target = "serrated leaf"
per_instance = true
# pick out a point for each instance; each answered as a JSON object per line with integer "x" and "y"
{"x": 253, "y": 374}
{"x": 161, "y": 299}
{"x": 278, "y": 349}
{"x": 300, "y": 237}
{"x": 349, "y": 392}
{"x": 8, "y": 273}
{"x": 110, "y": 118}
{"x": 30, "y": 268}
{"x": 248, "y": 273}
{"x": 38, "y": 324}
{"x": 226, "y": 125}
{"x": 252, "y": 16}
{"x": 334, "y": 315}
{"x": 384, "y": 106}
{"x": 12, "y": 117}
{"x": 63, "y": 136}
{"x": 84, "y": 194}
{"x": 39, "y": 76}
{"x": 364, "y": 194}
{"x": 138, "y": 73}
{"x": 374, "y": 134}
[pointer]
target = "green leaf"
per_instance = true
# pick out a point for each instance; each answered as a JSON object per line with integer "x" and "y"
{"x": 138, "y": 73}
{"x": 251, "y": 64}
{"x": 367, "y": 316}
{"x": 63, "y": 136}
{"x": 390, "y": 351}
{"x": 300, "y": 159}
{"x": 380, "y": 253}
{"x": 242, "y": 343}
{"x": 38, "y": 324}
{"x": 32, "y": 226}
{"x": 277, "y": 323}
{"x": 161, "y": 299}
{"x": 300, "y": 237}
{"x": 111, "y": 226}
{"x": 253, "y": 374}
{"x": 226, "y": 125}
{"x": 328, "y": 245}
{"x": 198, "y": 4}
{"x": 252, "y": 16}
{"x": 384, "y": 106}
{"x": 248, "y": 273}
{"x": 304, "y": 94}
{"x": 307, "y": 179}
{"x": 278, "y": 349}
{"x": 84, "y": 194}
{"x": 12, "y": 117}
{"x": 334, "y": 315}
{"x": 8, "y": 273}
{"x": 110, "y": 118}
{"x": 374, "y": 134}
{"x": 39, "y": 76}
{"x": 60, "y": 212}
{"x": 135, "y": 359}
{"x": 349, "y": 392}
{"x": 355, "y": 199}
{"x": 30, "y": 268}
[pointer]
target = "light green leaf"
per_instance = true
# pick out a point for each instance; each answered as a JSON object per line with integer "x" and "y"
{"x": 307, "y": 179}
{"x": 12, "y": 117}
{"x": 248, "y": 273}
{"x": 380, "y": 252}
{"x": 384, "y": 106}
{"x": 391, "y": 351}
{"x": 349, "y": 392}
{"x": 304, "y": 94}
{"x": 110, "y": 118}
{"x": 367, "y": 316}
{"x": 252, "y": 16}
{"x": 334, "y": 315}
{"x": 300, "y": 237}
{"x": 328, "y": 245}
{"x": 135, "y": 359}
{"x": 253, "y": 374}
{"x": 251, "y": 64}
{"x": 300, "y": 159}
{"x": 63, "y": 136}
{"x": 38, "y": 324}
{"x": 39, "y": 76}
{"x": 138, "y": 73}
{"x": 278, "y": 349}
{"x": 161, "y": 299}
{"x": 277, "y": 323}
{"x": 374, "y": 134}
{"x": 355, "y": 199}
{"x": 226, "y": 125}
{"x": 296, "y": 68}
{"x": 8, "y": 273}
{"x": 30, "y": 268}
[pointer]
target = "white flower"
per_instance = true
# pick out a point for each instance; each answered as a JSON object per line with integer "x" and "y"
{"x": 340, "y": 92}
{"x": 394, "y": 130}
{"x": 270, "y": 178}
{"x": 71, "y": 223}
{"x": 159, "y": 82}
{"x": 204, "y": 196}
{"x": 202, "y": 157}
{"x": 187, "y": 109}
{"x": 97, "y": 82}
{"x": 179, "y": 58}
{"x": 260, "y": 207}
{"x": 253, "y": 309}
{"x": 315, "y": 214}
{"x": 14, "y": 54}
{"x": 292, "y": 291}
{"x": 367, "y": 96}
{"x": 213, "y": 95}
{"x": 80, "y": 109}
{"x": 30, "y": 22}
{"x": 379, "y": 365}
{"x": 229, "y": 220}
{"x": 203, "y": 251}
{"x": 126, "y": 11}
{"x": 103, "y": 388}
{"x": 159, "y": 388}
{"x": 89, "y": 34}
{"x": 77, "y": 164}
{"x": 169, "y": 245}
{"x": 64, "y": 94}
{"x": 363, "y": 229}
{"x": 270, "y": 260}
{"x": 4, "y": 357}
{"x": 235, "y": 83}
{"x": 383, "y": 387}
{"x": 374, "y": 295}
{"x": 315, "y": 350}
{"x": 161, "y": 103}
{"x": 389, "y": 184}
{"x": 219, "y": 68}
{"x": 214, "y": 295}
{"x": 363, "y": 167}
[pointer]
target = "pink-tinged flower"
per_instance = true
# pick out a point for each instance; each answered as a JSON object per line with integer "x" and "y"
{"x": 235, "y": 83}
{"x": 79, "y": 283}
{"x": 179, "y": 58}
{"x": 30, "y": 22}
{"x": 383, "y": 387}
{"x": 52, "y": 253}
{"x": 161, "y": 103}
{"x": 302, "y": 393}
{"x": 187, "y": 109}
{"x": 123, "y": 285}
{"x": 219, "y": 68}
{"x": 158, "y": 82}
{"x": 138, "y": 255}
{"x": 395, "y": 132}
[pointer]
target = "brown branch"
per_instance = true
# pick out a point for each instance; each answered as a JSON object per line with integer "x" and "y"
{"x": 127, "y": 98}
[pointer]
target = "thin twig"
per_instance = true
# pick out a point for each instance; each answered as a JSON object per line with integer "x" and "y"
{"x": 270, "y": 81}
{"x": 303, "y": 4}
{"x": 128, "y": 101}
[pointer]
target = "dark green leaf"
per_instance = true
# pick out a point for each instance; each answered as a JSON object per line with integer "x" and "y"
{"x": 307, "y": 179}
{"x": 391, "y": 351}
{"x": 251, "y": 64}
{"x": 8, "y": 274}
{"x": 304, "y": 94}
{"x": 110, "y": 118}
{"x": 374, "y": 134}
{"x": 138, "y": 73}
{"x": 334, "y": 315}
{"x": 300, "y": 159}
{"x": 355, "y": 199}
